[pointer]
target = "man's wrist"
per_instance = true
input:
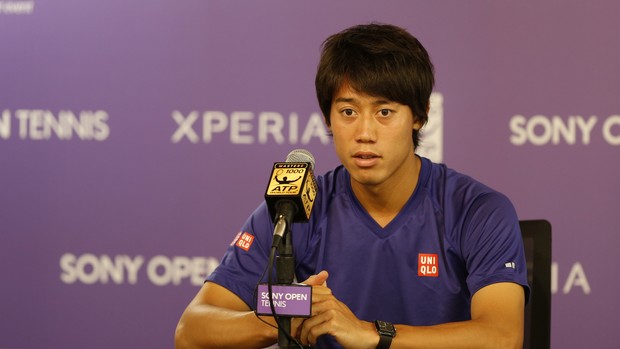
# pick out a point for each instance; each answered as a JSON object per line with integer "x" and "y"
{"x": 386, "y": 332}
{"x": 269, "y": 330}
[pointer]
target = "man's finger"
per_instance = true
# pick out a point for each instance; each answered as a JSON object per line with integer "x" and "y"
{"x": 319, "y": 279}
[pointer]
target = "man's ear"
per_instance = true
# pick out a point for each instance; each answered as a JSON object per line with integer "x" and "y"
{"x": 417, "y": 124}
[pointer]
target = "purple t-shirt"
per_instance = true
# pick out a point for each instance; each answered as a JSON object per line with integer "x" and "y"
{"x": 453, "y": 236}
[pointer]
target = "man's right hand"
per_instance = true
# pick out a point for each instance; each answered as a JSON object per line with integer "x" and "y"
{"x": 319, "y": 279}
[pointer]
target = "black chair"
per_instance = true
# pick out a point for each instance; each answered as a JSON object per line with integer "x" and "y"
{"x": 537, "y": 242}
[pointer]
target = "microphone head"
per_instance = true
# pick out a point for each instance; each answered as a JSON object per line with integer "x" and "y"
{"x": 292, "y": 182}
{"x": 301, "y": 155}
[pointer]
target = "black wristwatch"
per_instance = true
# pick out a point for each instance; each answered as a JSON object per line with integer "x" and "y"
{"x": 386, "y": 332}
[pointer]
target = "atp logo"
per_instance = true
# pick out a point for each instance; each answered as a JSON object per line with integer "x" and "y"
{"x": 285, "y": 179}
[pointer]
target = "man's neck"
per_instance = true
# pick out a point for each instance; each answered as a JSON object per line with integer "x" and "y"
{"x": 384, "y": 201}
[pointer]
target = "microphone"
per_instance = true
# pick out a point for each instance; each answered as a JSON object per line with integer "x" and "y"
{"x": 290, "y": 197}
{"x": 291, "y": 191}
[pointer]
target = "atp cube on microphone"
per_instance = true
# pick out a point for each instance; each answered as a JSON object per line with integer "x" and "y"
{"x": 294, "y": 182}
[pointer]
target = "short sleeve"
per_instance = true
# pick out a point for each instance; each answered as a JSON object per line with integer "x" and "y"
{"x": 247, "y": 257}
{"x": 492, "y": 244}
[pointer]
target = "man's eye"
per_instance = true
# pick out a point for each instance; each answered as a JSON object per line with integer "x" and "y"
{"x": 348, "y": 112}
{"x": 385, "y": 112}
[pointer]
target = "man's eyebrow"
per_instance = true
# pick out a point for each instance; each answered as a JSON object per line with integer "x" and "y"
{"x": 379, "y": 101}
{"x": 344, "y": 100}
{"x": 382, "y": 101}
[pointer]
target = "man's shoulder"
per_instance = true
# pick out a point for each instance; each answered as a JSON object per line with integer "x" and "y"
{"x": 449, "y": 180}
{"x": 458, "y": 193}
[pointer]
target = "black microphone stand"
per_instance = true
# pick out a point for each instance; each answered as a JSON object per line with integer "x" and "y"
{"x": 285, "y": 268}
{"x": 285, "y": 273}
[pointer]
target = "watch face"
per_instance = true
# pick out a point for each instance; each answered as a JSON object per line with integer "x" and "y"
{"x": 385, "y": 328}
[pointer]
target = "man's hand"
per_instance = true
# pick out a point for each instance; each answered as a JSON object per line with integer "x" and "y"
{"x": 331, "y": 316}
{"x": 314, "y": 280}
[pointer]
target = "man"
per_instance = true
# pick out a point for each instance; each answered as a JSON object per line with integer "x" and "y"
{"x": 393, "y": 237}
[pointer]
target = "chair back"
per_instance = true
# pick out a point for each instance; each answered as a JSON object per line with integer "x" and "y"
{"x": 537, "y": 242}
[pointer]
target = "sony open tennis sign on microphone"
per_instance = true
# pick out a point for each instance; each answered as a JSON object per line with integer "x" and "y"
{"x": 288, "y": 300}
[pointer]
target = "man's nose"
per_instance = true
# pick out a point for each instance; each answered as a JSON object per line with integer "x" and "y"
{"x": 366, "y": 129}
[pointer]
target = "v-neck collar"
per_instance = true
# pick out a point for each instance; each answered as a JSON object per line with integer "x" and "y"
{"x": 400, "y": 219}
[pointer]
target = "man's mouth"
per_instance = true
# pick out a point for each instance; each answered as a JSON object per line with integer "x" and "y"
{"x": 365, "y": 156}
{"x": 366, "y": 159}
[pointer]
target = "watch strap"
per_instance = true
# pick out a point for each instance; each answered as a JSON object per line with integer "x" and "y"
{"x": 384, "y": 342}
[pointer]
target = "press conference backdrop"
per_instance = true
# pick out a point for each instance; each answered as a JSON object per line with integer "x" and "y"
{"x": 137, "y": 136}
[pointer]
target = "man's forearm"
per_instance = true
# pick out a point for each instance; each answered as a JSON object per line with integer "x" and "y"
{"x": 206, "y": 326}
{"x": 466, "y": 334}
{"x": 497, "y": 322}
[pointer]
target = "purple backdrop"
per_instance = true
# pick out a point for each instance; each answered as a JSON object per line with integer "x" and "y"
{"x": 136, "y": 137}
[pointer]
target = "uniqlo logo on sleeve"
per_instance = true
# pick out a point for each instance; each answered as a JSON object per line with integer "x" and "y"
{"x": 428, "y": 264}
{"x": 245, "y": 241}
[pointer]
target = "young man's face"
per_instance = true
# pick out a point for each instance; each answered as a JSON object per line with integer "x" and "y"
{"x": 372, "y": 138}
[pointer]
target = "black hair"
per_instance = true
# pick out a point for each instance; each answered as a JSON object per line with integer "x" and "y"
{"x": 380, "y": 60}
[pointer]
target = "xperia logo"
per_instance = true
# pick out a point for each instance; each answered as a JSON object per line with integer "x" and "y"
{"x": 428, "y": 265}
